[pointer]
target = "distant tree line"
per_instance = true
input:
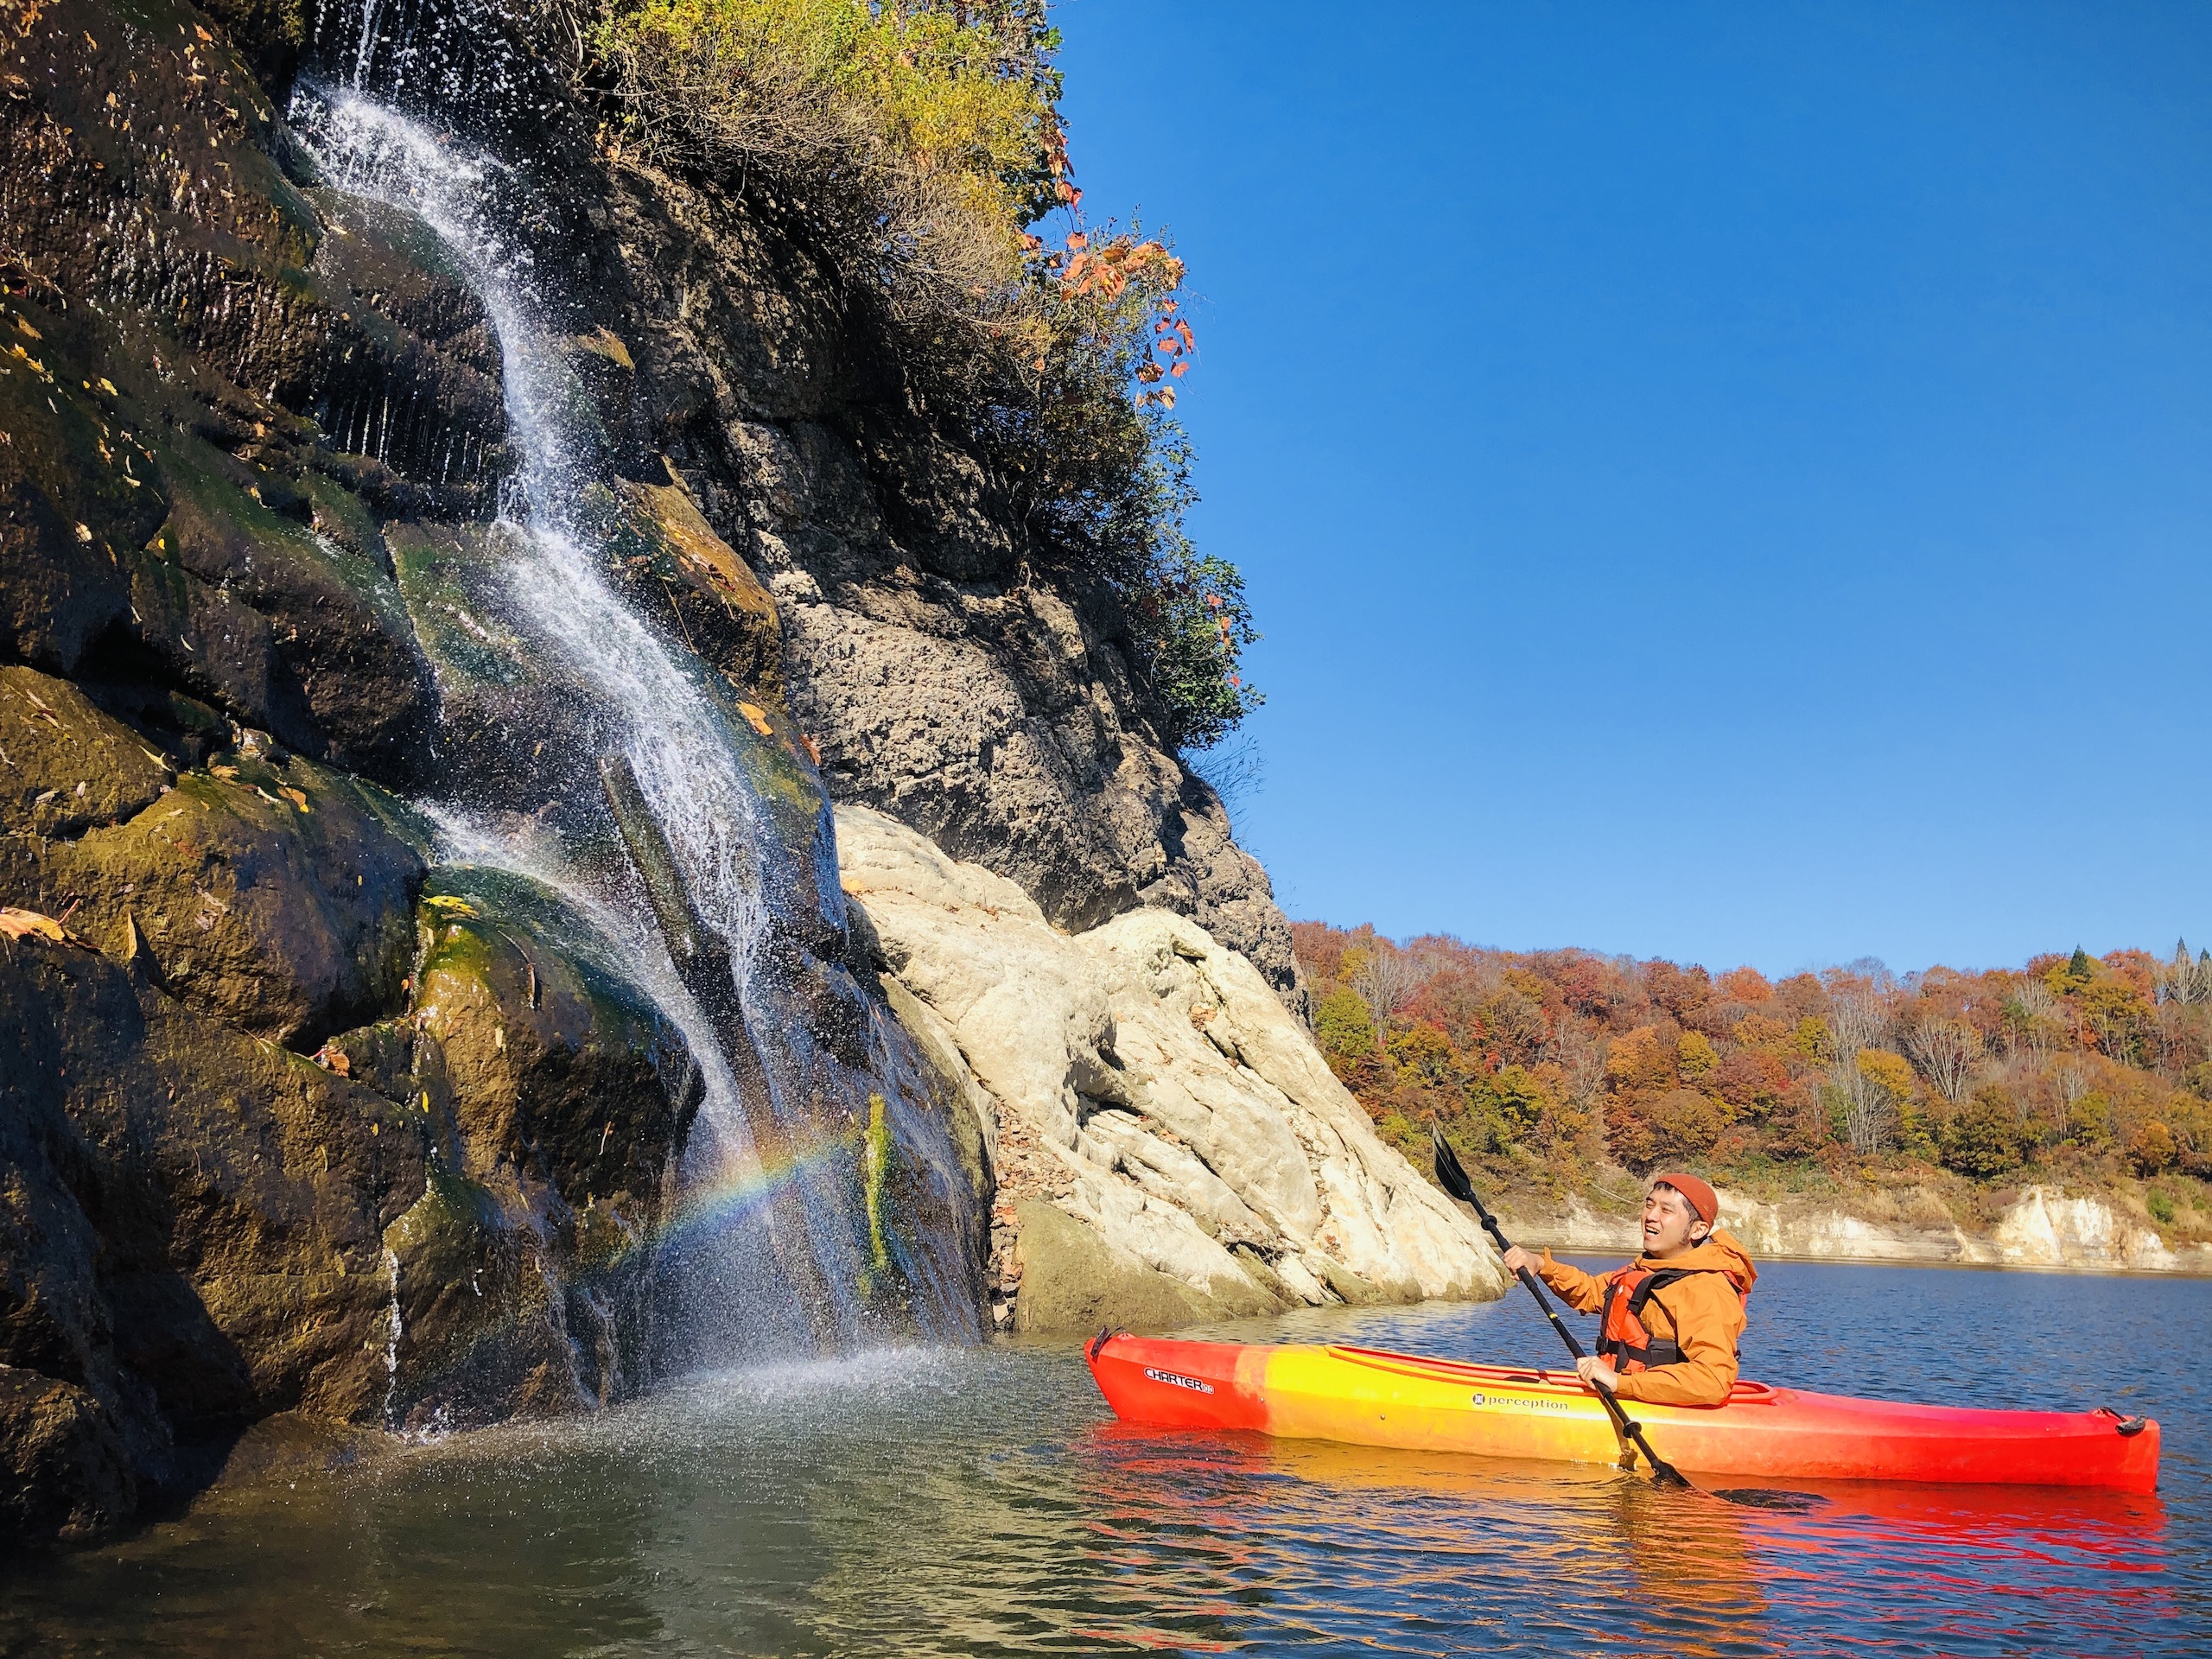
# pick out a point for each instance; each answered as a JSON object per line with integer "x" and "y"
{"x": 1569, "y": 1059}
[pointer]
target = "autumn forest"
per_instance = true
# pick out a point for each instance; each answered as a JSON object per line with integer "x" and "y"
{"x": 1556, "y": 1068}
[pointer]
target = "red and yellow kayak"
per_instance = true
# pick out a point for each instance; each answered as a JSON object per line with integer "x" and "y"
{"x": 1367, "y": 1397}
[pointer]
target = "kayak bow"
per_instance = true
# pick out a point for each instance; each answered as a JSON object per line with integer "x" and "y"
{"x": 1368, "y": 1397}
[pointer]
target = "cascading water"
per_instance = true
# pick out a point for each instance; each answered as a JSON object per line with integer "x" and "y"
{"x": 810, "y": 1088}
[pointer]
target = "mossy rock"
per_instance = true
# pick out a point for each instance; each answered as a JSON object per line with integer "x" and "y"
{"x": 479, "y": 1335}
{"x": 1074, "y": 1279}
{"x": 278, "y": 896}
{"x": 197, "y": 637}
{"x": 69, "y": 765}
{"x": 672, "y": 564}
{"x": 525, "y": 1269}
{"x": 227, "y": 1199}
{"x": 562, "y": 1069}
{"x": 338, "y": 624}
{"x": 513, "y": 732}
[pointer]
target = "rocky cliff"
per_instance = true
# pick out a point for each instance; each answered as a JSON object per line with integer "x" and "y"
{"x": 432, "y": 624}
{"x": 1140, "y": 1080}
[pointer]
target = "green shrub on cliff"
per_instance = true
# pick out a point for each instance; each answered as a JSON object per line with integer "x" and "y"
{"x": 952, "y": 108}
{"x": 916, "y": 143}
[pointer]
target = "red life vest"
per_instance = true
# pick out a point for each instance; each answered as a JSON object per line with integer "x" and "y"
{"x": 1623, "y": 1343}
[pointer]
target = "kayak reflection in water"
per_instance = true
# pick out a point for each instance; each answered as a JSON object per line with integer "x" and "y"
{"x": 1671, "y": 1318}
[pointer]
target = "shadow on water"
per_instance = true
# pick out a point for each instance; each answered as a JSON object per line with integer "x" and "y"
{"x": 936, "y": 1500}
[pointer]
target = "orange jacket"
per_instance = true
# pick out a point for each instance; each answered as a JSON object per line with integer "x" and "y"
{"x": 1702, "y": 1314}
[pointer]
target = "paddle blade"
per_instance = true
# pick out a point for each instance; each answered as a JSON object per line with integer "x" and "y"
{"x": 1449, "y": 1174}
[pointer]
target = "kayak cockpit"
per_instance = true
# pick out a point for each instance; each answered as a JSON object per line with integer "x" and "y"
{"x": 1456, "y": 1370}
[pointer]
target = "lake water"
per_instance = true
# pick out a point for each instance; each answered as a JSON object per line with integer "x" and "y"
{"x": 982, "y": 1502}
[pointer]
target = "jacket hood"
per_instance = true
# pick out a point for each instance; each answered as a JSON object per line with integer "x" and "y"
{"x": 1718, "y": 1253}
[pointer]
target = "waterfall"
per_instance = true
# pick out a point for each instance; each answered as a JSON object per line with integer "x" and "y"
{"x": 779, "y": 1233}
{"x": 390, "y": 1337}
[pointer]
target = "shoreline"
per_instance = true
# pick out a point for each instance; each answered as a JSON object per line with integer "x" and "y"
{"x": 2043, "y": 1229}
{"x": 1581, "y": 1255}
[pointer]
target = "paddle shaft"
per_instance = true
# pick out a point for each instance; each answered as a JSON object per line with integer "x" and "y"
{"x": 1662, "y": 1471}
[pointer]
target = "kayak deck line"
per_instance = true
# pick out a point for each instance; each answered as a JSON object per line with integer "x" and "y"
{"x": 1366, "y": 1396}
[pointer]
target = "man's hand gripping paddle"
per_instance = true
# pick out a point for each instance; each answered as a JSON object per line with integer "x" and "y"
{"x": 1454, "y": 1180}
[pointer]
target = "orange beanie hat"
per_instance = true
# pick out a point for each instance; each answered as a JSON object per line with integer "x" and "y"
{"x": 1700, "y": 1195}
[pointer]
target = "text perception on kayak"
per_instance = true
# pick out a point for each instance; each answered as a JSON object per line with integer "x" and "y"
{"x": 1175, "y": 1381}
{"x": 1526, "y": 1404}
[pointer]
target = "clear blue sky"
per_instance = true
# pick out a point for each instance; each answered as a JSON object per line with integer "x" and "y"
{"x": 1730, "y": 482}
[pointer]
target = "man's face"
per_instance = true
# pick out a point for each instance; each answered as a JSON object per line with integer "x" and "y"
{"x": 1669, "y": 1222}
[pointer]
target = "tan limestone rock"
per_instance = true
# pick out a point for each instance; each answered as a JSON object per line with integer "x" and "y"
{"x": 1152, "y": 1107}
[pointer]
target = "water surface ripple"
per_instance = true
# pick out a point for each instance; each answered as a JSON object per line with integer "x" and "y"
{"x": 980, "y": 1501}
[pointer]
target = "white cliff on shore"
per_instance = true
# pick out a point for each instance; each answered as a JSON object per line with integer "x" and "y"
{"x": 1168, "y": 1144}
{"x": 2041, "y": 1228}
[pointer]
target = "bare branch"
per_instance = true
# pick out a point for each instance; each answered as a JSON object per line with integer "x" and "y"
{"x": 1386, "y": 979}
{"x": 1947, "y": 1051}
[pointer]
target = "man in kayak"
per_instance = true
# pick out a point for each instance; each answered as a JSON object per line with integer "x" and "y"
{"x": 1671, "y": 1318}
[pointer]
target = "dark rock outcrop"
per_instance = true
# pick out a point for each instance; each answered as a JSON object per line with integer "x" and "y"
{"x": 438, "y": 1218}
{"x": 950, "y": 679}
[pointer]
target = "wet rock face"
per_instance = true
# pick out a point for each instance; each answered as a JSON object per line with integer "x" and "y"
{"x": 213, "y": 388}
{"x": 192, "y": 1226}
{"x": 275, "y": 895}
{"x": 198, "y": 1227}
{"x": 555, "y": 1097}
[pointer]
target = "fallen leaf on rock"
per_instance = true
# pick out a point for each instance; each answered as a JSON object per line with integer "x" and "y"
{"x": 756, "y": 717}
{"x": 26, "y": 923}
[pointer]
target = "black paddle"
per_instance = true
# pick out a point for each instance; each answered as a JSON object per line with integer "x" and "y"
{"x": 1455, "y": 1182}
